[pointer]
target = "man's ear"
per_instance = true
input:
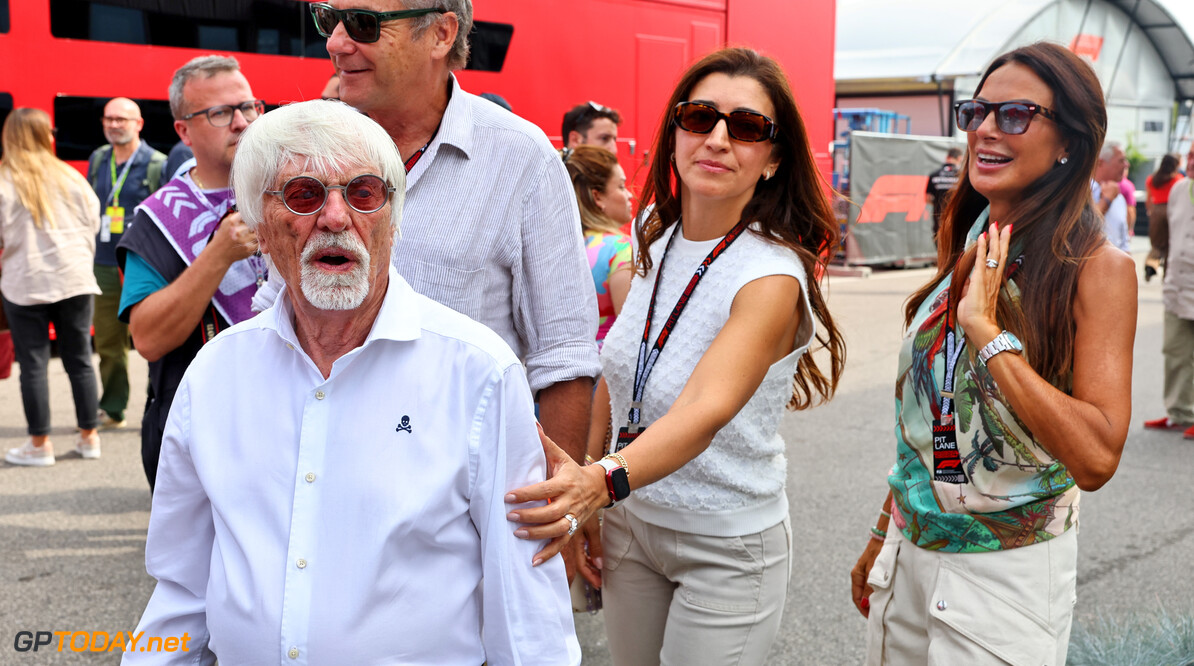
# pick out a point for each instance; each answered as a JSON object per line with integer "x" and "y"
{"x": 184, "y": 135}
{"x": 444, "y": 32}
{"x": 574, "y": 139}
{"x": 262, "y": 241}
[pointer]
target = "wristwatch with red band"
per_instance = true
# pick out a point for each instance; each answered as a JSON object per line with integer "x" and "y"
{"x": 617, "y": 481}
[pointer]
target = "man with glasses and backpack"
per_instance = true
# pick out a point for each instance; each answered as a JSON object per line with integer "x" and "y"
{"x": 190, "y": 264}
{"x": 122, "y": 172}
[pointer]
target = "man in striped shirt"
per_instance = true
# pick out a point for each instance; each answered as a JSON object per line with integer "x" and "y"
{"x": 491, "y": 227}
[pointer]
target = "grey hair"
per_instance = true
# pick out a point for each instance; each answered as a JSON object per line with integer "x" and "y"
{"x": 463, "y": 9}
{"x": 206, "y": 66}
{"x": 1108, "y": 150}
{"x": 325, "y": 136}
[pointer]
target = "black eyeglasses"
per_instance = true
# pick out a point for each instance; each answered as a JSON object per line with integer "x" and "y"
{"x": 1010, "y": 117}
{"x": 362, "y": 25}
{"x": 221, "y": 116}
{"x": 307, "y": 195}
{"x": 745, "y": 126}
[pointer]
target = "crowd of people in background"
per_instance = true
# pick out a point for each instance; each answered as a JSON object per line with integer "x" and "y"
{"x": 269, "y": 244}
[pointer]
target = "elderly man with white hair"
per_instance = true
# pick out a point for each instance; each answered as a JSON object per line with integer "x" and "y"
{"x": 347, "y": 504}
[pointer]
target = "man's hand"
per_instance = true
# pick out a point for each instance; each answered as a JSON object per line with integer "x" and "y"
{"x": 1109, "y": 189}
{"x": 588, "y": 553}
{"x": 233, "y": 240}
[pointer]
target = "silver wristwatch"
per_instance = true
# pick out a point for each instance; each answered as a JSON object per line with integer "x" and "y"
{"x": 1004, "y": 342}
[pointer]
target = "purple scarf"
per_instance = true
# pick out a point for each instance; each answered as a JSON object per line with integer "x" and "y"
{"x": 187, "y": 217}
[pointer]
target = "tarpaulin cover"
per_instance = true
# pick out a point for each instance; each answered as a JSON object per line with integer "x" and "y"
{"x": 891, "y": 223}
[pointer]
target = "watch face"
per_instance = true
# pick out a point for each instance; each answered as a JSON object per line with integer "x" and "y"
{"x": 619, "y": 484}
{"x": 1014, "y": 341}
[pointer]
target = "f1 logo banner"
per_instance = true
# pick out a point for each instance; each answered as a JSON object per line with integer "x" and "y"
{"x": 892, "y": 224}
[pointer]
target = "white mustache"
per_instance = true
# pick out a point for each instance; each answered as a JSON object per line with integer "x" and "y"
{"x": 326, "y": 240}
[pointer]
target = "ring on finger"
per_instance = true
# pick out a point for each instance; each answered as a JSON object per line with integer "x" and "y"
{"x": 992, "y": 263}
{"x": 572, "y": 523}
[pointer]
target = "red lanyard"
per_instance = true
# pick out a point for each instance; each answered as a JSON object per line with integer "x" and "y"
{"x": 646, "y": 360}
{"x": 414, "y": 158}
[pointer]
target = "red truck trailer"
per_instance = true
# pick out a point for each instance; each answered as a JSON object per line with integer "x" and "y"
{"x": 544, "y": 56}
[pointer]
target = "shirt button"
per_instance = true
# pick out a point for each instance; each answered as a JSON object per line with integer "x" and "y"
{"x": 293, "y": 653}
{"x": 941, "y": 605}
{"x": 302, "y": 564}
{"x": 319, "y": 395}
{"x": 310, "y": 477}
{"x": 290, "y": 346}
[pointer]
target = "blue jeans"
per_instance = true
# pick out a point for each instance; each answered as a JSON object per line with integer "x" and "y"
{"x": 30, "y": 326}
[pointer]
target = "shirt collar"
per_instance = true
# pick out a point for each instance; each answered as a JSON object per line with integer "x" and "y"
{"x": 456, "y": 127}
{"x": 144, "y": 150}
{"x": 397, "y": 320}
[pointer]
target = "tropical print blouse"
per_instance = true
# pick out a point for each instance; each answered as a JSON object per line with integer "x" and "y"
{"x": 608, "y": 253}
{"x": 997, "y": 487}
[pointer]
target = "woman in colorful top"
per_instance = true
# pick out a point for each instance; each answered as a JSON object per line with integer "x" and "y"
{"x": 696, "y": 561}
{"x": 49, "y": 218}
{"x": 1157, "y": 187}
{"x": 1014, "y": 386}
{"x": 605, "y": 205}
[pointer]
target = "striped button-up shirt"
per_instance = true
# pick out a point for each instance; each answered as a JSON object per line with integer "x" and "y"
{"x": 490, "y": 228}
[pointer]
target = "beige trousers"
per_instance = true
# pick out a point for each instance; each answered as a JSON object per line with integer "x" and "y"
{"x": 1178, "y": 348}
{"x": 1007, "y": 607}
{"x": 676, "y": 598}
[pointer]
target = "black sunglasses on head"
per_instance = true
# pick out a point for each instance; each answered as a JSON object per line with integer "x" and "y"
{"x": 362, "y": 25}
{"x": 1010, "y": 117}
{"x": 746, "y": 126}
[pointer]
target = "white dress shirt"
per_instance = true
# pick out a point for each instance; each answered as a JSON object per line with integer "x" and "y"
{"x": 491, "y": 228}
{"x": 358, "y": 519}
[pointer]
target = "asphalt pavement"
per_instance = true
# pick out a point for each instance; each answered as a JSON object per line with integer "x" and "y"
{"x": 73, "y": 535}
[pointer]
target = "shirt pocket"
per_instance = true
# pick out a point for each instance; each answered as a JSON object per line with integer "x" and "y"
{"x": 999, "y": 624}
{"x": 460, "y": 289}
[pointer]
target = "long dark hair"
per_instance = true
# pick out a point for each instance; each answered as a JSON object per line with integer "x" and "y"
{"x": 792, "y": 208}
{"x": 1055, "y": 221}
{"x": 1166, "y": 171}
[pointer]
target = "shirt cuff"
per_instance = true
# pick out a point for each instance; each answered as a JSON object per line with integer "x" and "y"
{"x": 562, "y": 363}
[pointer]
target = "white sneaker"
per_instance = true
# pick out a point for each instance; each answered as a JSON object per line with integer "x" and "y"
{"x": 88, "y": 448}
{"x": 30, "y": 455}
{"x": 106, "y": 422}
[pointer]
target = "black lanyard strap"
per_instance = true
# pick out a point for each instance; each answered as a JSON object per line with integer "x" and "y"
{"x": 954, "y": 344}
{"x": 646, "y": 359}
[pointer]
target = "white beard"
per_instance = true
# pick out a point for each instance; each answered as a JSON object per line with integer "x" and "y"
{"x": 335, "y": 291}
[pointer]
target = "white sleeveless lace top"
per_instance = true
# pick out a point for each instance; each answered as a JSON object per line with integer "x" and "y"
{"x": 736, "y": 486}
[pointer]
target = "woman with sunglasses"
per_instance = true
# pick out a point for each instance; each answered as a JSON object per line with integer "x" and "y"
{"x": 694, "y": 558}
{"x": 49, "y": 218}
{"x": 1014, "y": 384}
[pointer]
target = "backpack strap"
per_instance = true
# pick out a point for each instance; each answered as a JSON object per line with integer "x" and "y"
{"x": 99, "y": 157}
{"x": 157, "y": 162}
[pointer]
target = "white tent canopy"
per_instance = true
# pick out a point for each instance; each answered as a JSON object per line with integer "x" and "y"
{"x": 1140, "y": 52}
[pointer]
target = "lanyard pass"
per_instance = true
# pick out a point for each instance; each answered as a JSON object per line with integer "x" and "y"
{"x": 648, "y": 354}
